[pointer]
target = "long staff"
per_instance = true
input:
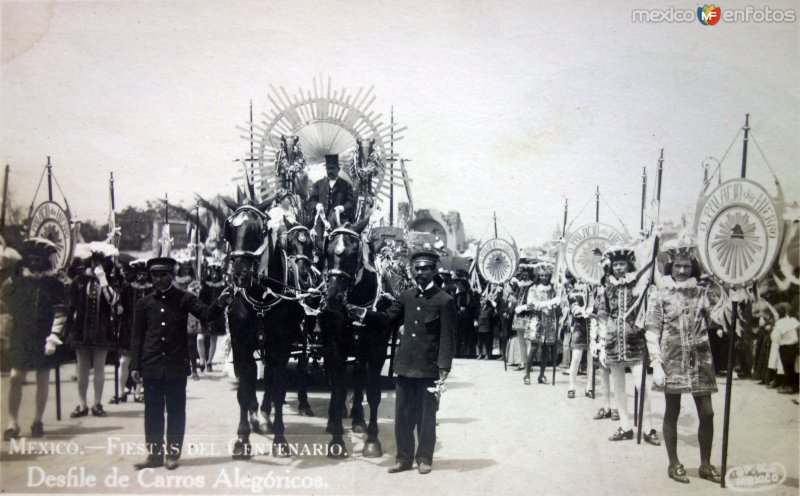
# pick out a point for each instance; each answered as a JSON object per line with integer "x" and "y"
{"x": 732, "y": 338}
{"x": 560, "y": 281}
{"x": 57, "y": 368}
{"x": 112, "y": 238}
{"x": 653, "y": 269}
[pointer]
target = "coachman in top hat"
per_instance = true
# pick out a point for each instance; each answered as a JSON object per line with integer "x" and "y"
{"x": 332, "y": 193}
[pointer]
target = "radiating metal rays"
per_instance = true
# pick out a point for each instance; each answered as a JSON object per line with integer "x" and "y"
{"x": 327, "y": 120}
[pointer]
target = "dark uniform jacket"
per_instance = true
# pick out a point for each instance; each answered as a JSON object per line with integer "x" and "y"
{"x": 160, "y": 342}
{"x": 428, "y": 341}
{"x": 129, "y": 295}
{"x": 341, "y": 194}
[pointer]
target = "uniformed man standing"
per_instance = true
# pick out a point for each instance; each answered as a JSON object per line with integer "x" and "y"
{"x": 425, "y": 354}
{"x": 160, "y": 356}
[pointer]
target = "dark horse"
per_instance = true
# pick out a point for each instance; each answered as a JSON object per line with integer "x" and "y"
{"x": 298, "y": 245}
{"x": 263, "y": 318}
{"x": 351, "y": 279}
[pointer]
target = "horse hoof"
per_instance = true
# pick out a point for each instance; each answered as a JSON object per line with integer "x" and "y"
{"x": 372, "y": 449}
{"x": 359, "y": 427}
{"x": 280, "y": 447}
{"x": 305, "y": 411}
{"x": 242, "y": 450}
{"x": 337, "y": 449}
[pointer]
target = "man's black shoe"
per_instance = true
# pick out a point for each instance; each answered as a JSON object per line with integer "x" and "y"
{"x": 399, "y": 467}
{"x": 149, "y": 462}
{"x": 424, "y": 468}
{"x": 171, "y": 464}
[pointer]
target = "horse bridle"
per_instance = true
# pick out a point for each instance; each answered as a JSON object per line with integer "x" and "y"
{"x": 339, "y": 272}
{"x": 303, "y": 230}
{"x": 264, "y": 218}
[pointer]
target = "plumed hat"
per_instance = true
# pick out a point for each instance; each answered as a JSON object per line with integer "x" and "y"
{"x": 616, "y": 253}
{"x": 680, "y": 249}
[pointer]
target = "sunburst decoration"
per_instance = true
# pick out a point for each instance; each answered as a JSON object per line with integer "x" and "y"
{"x": 589, "y": 256}
{"x": 326, "y": 121}
{"x": 497, "y": 265}
{"x": 736, "y": 243}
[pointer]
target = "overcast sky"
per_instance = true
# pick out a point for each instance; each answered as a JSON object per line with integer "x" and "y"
{"x": 510, "y": 105}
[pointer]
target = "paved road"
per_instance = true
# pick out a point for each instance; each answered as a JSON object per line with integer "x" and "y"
{"x": 496, "y": 436}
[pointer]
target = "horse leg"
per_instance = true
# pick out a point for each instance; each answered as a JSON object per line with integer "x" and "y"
{"x": 245, "y": 394}
{"x": 337, "y": 447}
{"x": 261, "y": 420}
{"x": 357, "y": 411}
{"x": 302, "y": 371}
{"x": 372, "y": 447}
{"x": 278, "y": 364}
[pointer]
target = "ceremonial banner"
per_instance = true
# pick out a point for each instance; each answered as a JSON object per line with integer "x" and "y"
{"x": 585, "y": 247}
{"x": 497, "y": 260}
{"x": 52, "y": 222}
{"x": 739, "y": 230}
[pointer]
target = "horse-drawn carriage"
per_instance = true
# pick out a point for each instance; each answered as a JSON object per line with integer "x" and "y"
{"x": 294, "y": 269}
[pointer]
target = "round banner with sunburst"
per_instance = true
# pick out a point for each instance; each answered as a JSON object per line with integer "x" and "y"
{"x": 739, "y": 230}
{"x": 584, "y": 250}
{"x": 497, "y": 260}
{"x": 51, "y": 222}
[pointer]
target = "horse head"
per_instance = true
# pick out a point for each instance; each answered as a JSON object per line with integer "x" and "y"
{"x": 247, "y": 233}
{"x": 343, "y": 261}
{"x": 299, "y": 246}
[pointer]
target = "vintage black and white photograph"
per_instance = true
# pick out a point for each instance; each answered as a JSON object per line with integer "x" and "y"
{"x": 396, "y": 248}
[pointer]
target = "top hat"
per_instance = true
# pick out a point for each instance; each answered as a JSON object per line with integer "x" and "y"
{"x": 332, "y": 160}
{"x": 161, "y": 263}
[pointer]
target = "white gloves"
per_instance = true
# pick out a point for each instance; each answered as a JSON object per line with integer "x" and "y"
{"x": 50, "y": 344}
{"x": 339, "y": 208}
{"x": 355, "y": 312}
{"x": 320, "y": 208}
{"x": 100, "y": 274}
{"x": 659, "y": 377}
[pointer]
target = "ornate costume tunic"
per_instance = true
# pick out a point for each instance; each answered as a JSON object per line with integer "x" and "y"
{"x": 676, "y": 331}
{"x": 624, "y": 344}
{"x": 92, "y": 322}
{"x": 30, "y": 305}
{"x": 546, "y": 305}
{"x": 579, "y": 308}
